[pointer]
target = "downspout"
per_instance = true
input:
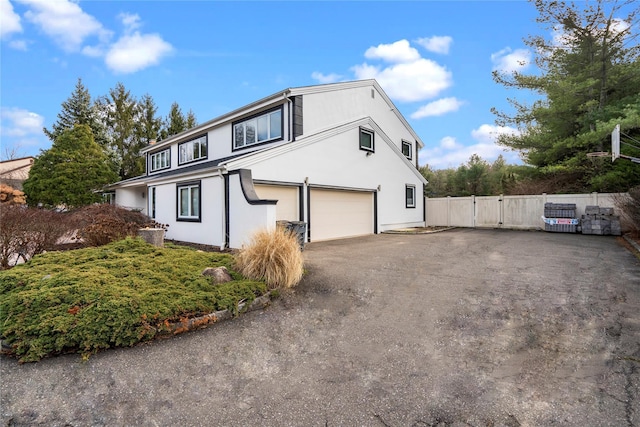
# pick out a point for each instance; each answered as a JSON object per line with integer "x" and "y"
{"x": 225, "y": 214}
{"x": 223, "y": 225}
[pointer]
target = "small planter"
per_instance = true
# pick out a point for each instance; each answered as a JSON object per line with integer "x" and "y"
{"x": 153, "y": 236}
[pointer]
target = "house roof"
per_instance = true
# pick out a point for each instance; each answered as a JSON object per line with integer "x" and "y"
{"x": 284, "y": 94}
{"x": 143, "y": 179}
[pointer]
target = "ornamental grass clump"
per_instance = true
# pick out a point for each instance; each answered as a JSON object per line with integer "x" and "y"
{"x": 273, "y": 256}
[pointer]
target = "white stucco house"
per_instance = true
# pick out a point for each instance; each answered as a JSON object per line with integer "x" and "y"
{"x": 339, "y": 157}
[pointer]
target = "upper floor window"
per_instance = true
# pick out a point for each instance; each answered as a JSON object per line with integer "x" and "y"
{"x": 160, "y": 160}
{"x": 407, "y": 149}
{"x": 366, "y": 140}
{"x": 193, "y": 150}
{"x": 257, "y": 130}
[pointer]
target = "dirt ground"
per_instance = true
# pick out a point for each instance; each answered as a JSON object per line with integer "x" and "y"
{"x": 457, "y": 328}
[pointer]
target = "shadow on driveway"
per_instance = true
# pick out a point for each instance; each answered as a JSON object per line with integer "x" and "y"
{"x": 464, "y": 327}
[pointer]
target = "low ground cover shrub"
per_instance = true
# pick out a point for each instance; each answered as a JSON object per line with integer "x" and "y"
{"x": 273, "y": 256}
{"x": 114, "y": 295}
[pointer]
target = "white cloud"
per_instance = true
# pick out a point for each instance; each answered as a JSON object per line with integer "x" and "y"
{"x": 136, "y": 51}
{"x": 17, "y": 122}
{"x": 130, "y": 21}
{"x": 9, "y": 20}
{"x": 449, "y": 143}
{"x": 406, "y": 78}
{"x": 397, "y": 52}
{"x": 70, "y": 27}
{"x": 449, "y": 153}
{"x": 508, "y": 60}
{"x": 489, "y": 133}
{"x": 438, "y": 108}
{"x": 408, "y": 82}
{"x": 65, "y": 22}
{"x": 436, "y": 44}
{"x": 326, "y": 78}
{"x": 18, "y": 44}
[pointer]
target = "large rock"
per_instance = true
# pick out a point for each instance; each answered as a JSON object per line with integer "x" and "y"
{"x": 218, "y": 274}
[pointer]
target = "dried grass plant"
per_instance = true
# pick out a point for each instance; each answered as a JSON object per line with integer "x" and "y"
{"x": 273, "y": 256}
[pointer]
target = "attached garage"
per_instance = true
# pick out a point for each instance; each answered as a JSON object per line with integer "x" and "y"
{"x": 335, "y": 213}
{"x": 288, "y": 197}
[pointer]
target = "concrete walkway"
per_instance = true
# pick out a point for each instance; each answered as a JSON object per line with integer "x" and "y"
{"x": 460, "y": 328}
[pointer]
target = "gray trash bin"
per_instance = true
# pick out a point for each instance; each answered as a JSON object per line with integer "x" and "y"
{"x": 299, "y": 228}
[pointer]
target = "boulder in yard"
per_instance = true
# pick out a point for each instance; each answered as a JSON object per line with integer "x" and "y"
{"x": 218, "y": 274}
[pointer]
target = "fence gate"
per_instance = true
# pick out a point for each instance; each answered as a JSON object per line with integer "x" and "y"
{"x": 518, "y": 212}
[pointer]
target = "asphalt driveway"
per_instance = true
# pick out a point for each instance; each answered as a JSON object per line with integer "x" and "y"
{"x": 460, "y": 328}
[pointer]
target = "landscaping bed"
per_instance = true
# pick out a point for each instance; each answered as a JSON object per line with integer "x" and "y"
{"x": 115, "y": 295}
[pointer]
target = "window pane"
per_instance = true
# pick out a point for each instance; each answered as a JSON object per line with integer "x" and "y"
{"x": 239, "y": 135}
{"x": 196, "y": 149}
{"x": 195, "y": 201}
{"x": 263, "y": 128}
{"x": 203, "y": 147}
{"x": 365, "y": 140}
{"x": 250, "y": 135}
{"x": 275, "y": 119}
{"x": 184, "y": 202}
{"x": 410, "y": 201}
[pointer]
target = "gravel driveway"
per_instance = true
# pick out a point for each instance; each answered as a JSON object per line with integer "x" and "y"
{"x": 459, "y": 328}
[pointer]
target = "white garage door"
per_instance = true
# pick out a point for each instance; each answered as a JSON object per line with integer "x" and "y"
{"x": 287, "y": 197}
{"x": 337, "y": 213}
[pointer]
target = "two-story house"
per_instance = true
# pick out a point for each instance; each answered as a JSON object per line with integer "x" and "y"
{"x": 339, "y": 157}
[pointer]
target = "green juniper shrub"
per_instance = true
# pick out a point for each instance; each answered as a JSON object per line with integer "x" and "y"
{"x": 110, "y": 296}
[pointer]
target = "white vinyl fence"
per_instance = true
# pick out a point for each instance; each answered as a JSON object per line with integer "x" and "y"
{"x": 517, "y": 212}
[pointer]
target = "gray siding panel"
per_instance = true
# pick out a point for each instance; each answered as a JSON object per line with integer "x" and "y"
{"x": 297, "y": 116}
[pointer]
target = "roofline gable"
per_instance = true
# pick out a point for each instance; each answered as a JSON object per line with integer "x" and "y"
{"x": 283, "y": 95}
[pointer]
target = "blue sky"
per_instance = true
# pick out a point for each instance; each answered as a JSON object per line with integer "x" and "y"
{"x": 434, "y": 59}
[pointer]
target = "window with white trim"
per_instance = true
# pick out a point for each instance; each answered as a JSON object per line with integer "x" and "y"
{"x": 193, "y": 150}
{"x": 160, "y": 160}
{"x": 189, "y": 202}
{"x": 407, "y": 149}
{"x": 257, "y": 130}
{"x": 366, "y": 140}
{"x": 410, "y": 196}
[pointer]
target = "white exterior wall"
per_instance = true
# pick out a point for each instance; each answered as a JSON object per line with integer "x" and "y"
{"x": 132, "y": 198}
{"x": 339, "y": 162}
{"x": 245, "y": 219}
{"x": 326, "y": 109}
{"x": 209, "y": 230}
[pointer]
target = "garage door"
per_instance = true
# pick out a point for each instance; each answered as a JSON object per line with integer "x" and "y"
{"x": 287, "y": 197}
{"x": 338, "y": 213}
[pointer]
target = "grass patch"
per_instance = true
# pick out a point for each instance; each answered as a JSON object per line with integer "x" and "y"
{"x": 115, "y": 295}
